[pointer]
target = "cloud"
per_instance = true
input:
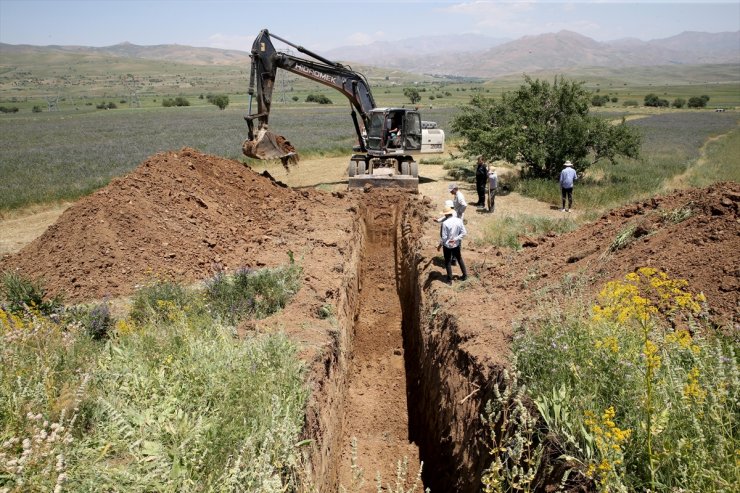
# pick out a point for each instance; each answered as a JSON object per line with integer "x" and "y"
{"x": 230, "y": 42}
{"x": 507, "y": 18}
{"x": 359, "y": 38}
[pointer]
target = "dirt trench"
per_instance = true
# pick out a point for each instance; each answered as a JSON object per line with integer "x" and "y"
{"x": 396, "y": 381}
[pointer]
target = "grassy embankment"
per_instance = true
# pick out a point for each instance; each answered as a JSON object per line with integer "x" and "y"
{"x": 167, "y": 399}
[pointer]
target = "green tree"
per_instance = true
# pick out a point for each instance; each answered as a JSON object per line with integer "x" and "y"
{"x": 540, "y": 126}
{"x": 655, "y": 101}
{"x": 220, "y": 100}
{"x": 412, "y": 93}
{"x": 698, "y": 102}
{"x": 318, "y": 98}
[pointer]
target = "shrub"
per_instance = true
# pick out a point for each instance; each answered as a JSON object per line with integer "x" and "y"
{"x": 22, "y": 294}
{"x": 220, "y": 100}
{"x": 160, "y": 301}
{"x": 252, "y": 293}
{"x": 318, "y": 98}
{"x": 698, "y": 102}
{"x": 8, "y": 109}
{"x": 653, "y": 100}
{"x": 640, "y": 391}
{"x": 36, "y": 109}
{"x": 178, "y": 101}
{"x": 679, "y": 103}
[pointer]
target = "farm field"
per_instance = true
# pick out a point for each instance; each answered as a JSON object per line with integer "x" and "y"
{"x": 345, "y": 352}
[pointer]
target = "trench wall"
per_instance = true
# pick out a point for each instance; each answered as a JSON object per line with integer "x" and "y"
{"x": 447, "y": 388}
{"x": 329, "y": 376}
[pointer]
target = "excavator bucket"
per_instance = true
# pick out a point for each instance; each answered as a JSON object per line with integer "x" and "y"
{"x": 269, "y": 145}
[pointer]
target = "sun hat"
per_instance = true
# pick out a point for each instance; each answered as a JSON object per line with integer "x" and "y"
{"x": 568, "y": 163}
{"x": 447, "y": 211}
{"x": 452, "y": 186}
{"x": 449, "y": 203}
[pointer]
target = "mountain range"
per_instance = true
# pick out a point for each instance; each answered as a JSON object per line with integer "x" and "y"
{"x": 464, "y": 55}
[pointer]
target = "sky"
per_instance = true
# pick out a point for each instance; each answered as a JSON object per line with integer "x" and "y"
{"x": 323, "y": 25}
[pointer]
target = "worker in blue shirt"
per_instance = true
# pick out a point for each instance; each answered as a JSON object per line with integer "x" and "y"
{"x": 567, "y": 178}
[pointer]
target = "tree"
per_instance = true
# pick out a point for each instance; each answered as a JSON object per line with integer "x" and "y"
{"x": 318, "y": 98}
{"x": 542, "y": 125}
{"x": 653, "y": 100}
{"x": 698, "y": 102}
{"x": 220, "y": 100}
{"x": 679, "y": 103}
{"x": 412, "y": 93}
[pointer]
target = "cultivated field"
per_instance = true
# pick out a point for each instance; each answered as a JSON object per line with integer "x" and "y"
{"x": 190, "y": 324}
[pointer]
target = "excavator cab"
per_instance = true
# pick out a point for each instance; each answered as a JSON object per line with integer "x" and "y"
{"x": 392, "y": 130}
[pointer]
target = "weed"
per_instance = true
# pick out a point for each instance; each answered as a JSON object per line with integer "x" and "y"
{"x": 646, "y": 389}
{"x": 160, "y": 301}
{"x": 252, "y": 293}
{"x": 678, "y": 214}
{"x": 623, "y": 238}
{"x": 325, "y": 311}
{"x": 22, "y": 294}
{"x": 505, "y": 231}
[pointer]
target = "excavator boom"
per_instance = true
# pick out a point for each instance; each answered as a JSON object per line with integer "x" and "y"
{"x": 264, "y": 144}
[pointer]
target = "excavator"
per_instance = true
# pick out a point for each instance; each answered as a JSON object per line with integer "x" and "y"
{"x": 389, "y": 139}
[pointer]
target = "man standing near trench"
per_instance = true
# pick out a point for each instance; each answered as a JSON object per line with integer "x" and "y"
{"x": 453, "y": 231}
{"x": 567, "y": 178}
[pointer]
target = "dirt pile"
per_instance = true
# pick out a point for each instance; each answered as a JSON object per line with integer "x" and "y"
{"x": 691, "y": 234}
{"x": 181, "y": 215}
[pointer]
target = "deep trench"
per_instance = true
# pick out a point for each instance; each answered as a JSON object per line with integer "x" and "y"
{"x": 444, "y": 389}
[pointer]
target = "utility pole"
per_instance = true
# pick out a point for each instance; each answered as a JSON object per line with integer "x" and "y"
{"x": 133, "y": 86}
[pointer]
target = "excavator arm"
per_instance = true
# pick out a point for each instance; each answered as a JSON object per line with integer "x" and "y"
{"x": 263, "y": 144}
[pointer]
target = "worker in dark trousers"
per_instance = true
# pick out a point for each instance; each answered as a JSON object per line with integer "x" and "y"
{"x": 453, "y": 231}
{"x": 481, "y": 177}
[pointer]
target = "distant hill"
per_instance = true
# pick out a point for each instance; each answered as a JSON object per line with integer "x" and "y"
{"x": 564, "y": 49}
{"x": 170, "y": 52}
{"x": 466, "y": 55}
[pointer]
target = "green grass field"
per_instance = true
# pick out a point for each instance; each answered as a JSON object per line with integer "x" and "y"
{"x": 62, "y": 155}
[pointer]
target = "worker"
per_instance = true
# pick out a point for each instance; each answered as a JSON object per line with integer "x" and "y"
{"x": 481, "y": 175}
{"x": 458, "y": 200}
{"x": 567, "y": 179}
{"x": 492, "y": 188}
{"x": 453, "y": 231}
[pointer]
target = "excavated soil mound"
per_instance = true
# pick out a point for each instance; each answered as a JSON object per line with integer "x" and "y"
{"x": 179, "y": 215}
{"x": 703, "y": 248}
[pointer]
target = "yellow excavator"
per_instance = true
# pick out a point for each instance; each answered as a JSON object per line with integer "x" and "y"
{"x": 389, "y": 139}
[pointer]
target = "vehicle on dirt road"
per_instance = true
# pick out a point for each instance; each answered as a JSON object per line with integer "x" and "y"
{"x": 389, "y": 139}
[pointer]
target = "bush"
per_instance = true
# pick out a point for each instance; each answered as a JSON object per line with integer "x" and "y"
{"x": 252, "y": 293}
{"x": 598, "y": 100}
{"x": 655, "y": 101}
{"x": 220, "y": 100}
{"x": 698, "y": 102}
{"x": 36, "y": 109}
{"x": 679, "y": 103}
{"x": 160, "y": 301}
{"x": 318, "y": 98}
{"x": 6, "y": 109}
{"x": 178, "y": 101}
{"x": 638, "y": 392}
{"x": 22, "y": 294}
